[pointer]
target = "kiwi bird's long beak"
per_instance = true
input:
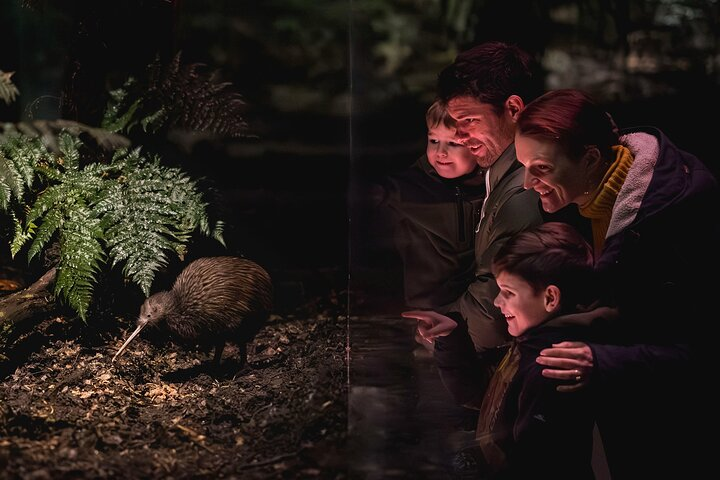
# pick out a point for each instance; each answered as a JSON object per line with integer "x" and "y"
{"x": 127, "y": 342}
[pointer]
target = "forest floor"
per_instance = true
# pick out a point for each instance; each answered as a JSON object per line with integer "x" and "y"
{"x": 159, "y": 411}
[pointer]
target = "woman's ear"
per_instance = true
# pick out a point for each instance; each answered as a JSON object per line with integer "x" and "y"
{"x": 514, "y": 104}
{"x": 552, "y": 299}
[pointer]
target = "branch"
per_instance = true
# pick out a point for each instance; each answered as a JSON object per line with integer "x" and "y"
{"x": 24, "y": 306}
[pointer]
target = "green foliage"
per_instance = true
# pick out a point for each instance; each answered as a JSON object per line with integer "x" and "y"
{"x": 130, "y": 211}
{"x": 176, "y": 96}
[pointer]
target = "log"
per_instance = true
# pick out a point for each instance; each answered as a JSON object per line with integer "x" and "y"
{"x": 25, "y": 306}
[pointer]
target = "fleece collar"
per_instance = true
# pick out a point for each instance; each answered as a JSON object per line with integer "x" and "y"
{"x": 645, "y": 149}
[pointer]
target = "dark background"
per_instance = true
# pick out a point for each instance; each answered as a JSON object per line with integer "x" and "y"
{"x": 335, "y": 96}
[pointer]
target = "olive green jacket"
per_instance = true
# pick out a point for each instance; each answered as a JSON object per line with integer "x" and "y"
{"x": 507, "y": 210}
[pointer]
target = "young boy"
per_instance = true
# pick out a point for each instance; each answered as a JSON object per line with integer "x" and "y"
{"x": 526, "y": 427}
{"x": 433, "y": 208}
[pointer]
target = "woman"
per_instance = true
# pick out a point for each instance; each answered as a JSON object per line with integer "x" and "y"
{"x": 643, "y": 196}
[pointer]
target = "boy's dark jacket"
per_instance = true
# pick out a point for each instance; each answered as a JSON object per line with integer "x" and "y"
{"x": 433, "y": 227}
{"x": 540, "y": 432}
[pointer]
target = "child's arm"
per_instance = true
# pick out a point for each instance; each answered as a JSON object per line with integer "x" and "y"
{"x": 464, "y": 373}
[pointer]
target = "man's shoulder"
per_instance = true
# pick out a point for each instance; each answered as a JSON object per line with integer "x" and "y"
{"x": 516, "y": 201}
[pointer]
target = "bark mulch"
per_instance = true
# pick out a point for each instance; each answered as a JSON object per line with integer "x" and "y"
{"x": 161, "y": 411}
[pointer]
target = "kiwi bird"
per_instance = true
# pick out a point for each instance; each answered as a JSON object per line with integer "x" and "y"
{"x": 213, "y": 300}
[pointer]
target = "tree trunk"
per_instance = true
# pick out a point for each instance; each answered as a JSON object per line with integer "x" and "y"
{"x": 24, "y": 306}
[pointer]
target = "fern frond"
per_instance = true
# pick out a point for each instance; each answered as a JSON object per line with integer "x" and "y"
{"x": 8, "y": 90}
{"x": 49, "y": 130}
{"x": 217, "y": 232}
{"x": 52, "y": 222}
{"x": 50, "y": 198}
{"x": 81, "y": 253}
{"x": 152, "y": 211}
{"x": 177, "y": 96}
{"x": 22, "y": 235}
{"x": 113, "y": 119}
{"x": 8, "y": 182}
{"x": 77, "y": 189}
{"x": 22, "y": 155}
{"x": 69, "y": 150}
{"x": 131, "y": 210}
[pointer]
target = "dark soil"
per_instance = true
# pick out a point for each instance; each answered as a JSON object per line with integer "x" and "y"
{"x": 161, "y": 411}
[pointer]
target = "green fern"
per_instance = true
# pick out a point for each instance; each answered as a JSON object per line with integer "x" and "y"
{"x": 131, "y": 211}
{"x": 81, "y": 253}
{"x": 149, "y": 211}
{"x": 176, "y": 96}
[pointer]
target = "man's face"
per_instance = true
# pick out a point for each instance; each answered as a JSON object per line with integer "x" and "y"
{"x": 481, "y": 129}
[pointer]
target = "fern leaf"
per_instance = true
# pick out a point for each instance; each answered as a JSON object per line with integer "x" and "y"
{"x": 8, "y": 182}
{"x": 8, "y": 90}
{"x": 69, "y": 150}
{"x": 177, "y": 96}
{"x": 52, "y": 222}
{"x": 217, "y": 232}
{"x": 132, "y": 210}
{"x": 22, "y": 235}
{"x": 153, "y": 211}
{"x": 81, "y": 253}
{"x": 23, "y": 154}
{"x": 52, "y": 196}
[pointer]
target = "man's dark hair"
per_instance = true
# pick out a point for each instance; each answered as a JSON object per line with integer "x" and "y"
{"x": 491, "y": 72}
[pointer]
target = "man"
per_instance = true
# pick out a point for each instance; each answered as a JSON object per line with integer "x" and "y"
{"x": 484, "y": 90}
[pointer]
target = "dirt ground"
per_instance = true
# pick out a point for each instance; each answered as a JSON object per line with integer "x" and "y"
{"x": 159, "y": 411}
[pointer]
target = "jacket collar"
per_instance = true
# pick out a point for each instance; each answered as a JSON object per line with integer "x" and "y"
{"x": 506, "y": 163}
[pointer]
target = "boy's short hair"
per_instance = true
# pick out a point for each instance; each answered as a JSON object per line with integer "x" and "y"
{"x": 438, "y": 115}
{"x": 551, "y": 253}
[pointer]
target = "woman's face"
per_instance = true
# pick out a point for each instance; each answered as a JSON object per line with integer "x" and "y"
{"x": 551, "y": 173}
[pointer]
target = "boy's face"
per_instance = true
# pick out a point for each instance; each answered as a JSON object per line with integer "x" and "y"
{"x": 447, "y": 155}
{"x": 522, "y": 307}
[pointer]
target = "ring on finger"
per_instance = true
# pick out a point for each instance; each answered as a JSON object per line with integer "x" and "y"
{"x": 578, "y": 376}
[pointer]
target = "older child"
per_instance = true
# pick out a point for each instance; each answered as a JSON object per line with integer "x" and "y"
{"x": 526, "y": 427}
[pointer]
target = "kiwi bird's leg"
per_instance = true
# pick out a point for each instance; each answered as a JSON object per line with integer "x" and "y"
{"x": 219, "y": 346}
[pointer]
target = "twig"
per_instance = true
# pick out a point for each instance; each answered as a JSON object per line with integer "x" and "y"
{"x": 269, "y": 461}
{"x": 194, "y": 436}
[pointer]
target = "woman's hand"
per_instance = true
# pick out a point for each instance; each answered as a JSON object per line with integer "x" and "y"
{"x": 571, "y": 361}
{"x": 431, "y": 324}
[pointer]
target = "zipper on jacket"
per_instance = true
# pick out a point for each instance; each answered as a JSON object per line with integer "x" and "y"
{"x": 460, "y": 213}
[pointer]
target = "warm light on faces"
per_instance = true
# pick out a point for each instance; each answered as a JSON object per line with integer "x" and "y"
{"x": 481, "y": 129}
{"x": 548, "y": 171}
{"x": 522, "y": 307}
{"x": 447, "y": 155}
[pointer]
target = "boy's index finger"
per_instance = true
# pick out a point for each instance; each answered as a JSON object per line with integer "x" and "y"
{"x": 419, "y": 316}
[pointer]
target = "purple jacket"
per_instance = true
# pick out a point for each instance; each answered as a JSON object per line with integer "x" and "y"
{"x": 657, "y": 264}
